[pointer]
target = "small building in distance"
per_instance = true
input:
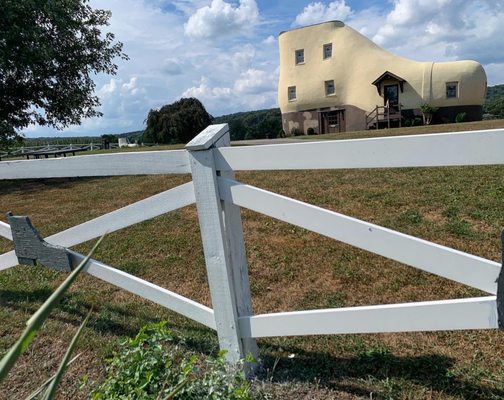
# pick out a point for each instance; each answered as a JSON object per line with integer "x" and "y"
{"x": 333, "y": 79}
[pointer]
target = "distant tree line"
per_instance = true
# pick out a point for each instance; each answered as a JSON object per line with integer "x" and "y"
{"x": 181, "y": 121}
{"x": 494, "y": 104}
{"x": 253, "y": 124}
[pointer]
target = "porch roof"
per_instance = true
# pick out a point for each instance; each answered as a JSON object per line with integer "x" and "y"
{"x": 388, "y": 75}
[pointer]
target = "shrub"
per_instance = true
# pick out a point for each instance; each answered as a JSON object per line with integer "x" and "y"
{"x": 155, "y": 364}
{"x": 311, "y": 131}
{"x": 460, "y": 117}
{"x": 296, "y": 132}
{"x": 427, "y": 111}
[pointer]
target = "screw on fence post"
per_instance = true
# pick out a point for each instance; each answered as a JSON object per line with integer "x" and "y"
{"x": 223, "y": 245}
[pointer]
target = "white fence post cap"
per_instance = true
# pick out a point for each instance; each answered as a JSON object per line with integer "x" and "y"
{"x": 207, "y": 137}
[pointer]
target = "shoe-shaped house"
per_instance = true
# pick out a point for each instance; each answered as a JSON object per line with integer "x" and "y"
{"x": 334, "y": 79}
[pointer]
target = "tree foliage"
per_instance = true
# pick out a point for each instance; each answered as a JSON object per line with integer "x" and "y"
{"x": 178, "y": 122}
{"x": 49, "y": 50}
{"x": 496, "y": 107}
{"x": 253, "y": 124}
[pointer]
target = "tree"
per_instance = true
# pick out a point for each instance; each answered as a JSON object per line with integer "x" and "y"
{"x": 178, "y": 122}
{"x": 496, "y": 107}
{"x": 49, "y": 49}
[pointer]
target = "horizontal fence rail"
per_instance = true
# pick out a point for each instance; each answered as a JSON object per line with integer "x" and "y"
{"x": 474, "y": 313}
{"x": 431, "y": 150}
{"x": 218, "y": 197}
{"x": 5, "y": 230}
{"x": 127, "y": 163}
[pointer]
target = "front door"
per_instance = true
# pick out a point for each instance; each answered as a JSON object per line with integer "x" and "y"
{"x": 391, "y": 96}
{"x": 333, "y": 121}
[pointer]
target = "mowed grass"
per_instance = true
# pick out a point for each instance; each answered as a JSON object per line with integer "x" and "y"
{"x": 290, "y": 269}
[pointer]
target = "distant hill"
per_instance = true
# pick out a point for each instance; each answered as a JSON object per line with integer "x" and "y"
{"x": 253, "y": 124}
{"x": 494, "y": 93}
{"x": 131, "y": 136}
{"x": 494, "y": 103}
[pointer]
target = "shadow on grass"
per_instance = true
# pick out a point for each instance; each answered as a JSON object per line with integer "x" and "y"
{"x": 120, "y": 320}
{"x": 26, "y": 186}
{"x": 433, "y": 372}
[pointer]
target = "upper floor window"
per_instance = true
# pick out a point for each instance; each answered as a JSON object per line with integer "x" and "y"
{"x": 300, "y": 56}
{"x": 291, "y": 93}
{"x": 329, "y": 88}
{"x": 327, "y": 50}
{"x": 451, "y": 90}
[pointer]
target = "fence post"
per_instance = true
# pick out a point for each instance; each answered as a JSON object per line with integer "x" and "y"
{"x": 223, "y": 246}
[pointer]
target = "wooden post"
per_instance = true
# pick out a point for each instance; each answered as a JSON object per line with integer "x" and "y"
{"x": 222, "y": 237}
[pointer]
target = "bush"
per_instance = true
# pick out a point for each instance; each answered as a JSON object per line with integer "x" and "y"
{"x": 311, "y": 131}
{"x": 460, "y": 117}
{"x": 155, "y": 364}
{"x": 296, "y": 132}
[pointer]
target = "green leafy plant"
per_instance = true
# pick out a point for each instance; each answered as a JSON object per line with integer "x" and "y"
{"x": 156, "y": 365}
{"x": 460, "y": 117}
{"x": 37, "y": 319}
{"x": 427, "y": 112}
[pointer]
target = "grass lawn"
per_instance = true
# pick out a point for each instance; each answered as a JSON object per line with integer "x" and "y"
{"x": 290, "y": 269}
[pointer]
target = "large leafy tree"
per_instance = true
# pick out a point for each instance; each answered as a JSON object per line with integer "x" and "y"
{"x": 49, "y": 51}
{"x": 178, "y": 122}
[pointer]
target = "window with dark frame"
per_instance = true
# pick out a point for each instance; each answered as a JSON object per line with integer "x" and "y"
{"x": 327, "y": 50}
{"x": 291, "y": 93}
{"x": 451, "y": 90}
{"x": 329, "y": 88}
{"x": 332, "y": 118}
{"x": 300, "y": 56}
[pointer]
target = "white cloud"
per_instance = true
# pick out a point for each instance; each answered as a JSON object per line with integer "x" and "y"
{"x": 317, "y": 12}
{"x": 204, "y": 92}
{"x": 221, "y": 19}
{"x": 109, "y": 87}
{"x": 255, "y": 81}
{"x": 253, "y": 89}
{"x": 270, "y": 40}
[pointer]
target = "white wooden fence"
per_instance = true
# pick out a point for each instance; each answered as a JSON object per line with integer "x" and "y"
{"x": 218, "y": 196}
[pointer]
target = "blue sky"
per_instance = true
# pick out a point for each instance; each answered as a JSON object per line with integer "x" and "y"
{"x": 225, "y": 52}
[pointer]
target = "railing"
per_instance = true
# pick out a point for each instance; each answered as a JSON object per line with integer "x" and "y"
{"x": 383, "y": 114}
{"x": 219, "y": 197}
{"x": 52, "y": 149}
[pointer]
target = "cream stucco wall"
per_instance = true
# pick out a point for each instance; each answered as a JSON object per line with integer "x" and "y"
{"x": 356, "y": 62}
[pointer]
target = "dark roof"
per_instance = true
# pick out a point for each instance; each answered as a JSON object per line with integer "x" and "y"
{"x": 388, "y": 75}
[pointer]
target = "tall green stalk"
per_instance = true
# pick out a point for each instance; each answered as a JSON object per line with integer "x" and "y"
{"x": 37, "y": 319}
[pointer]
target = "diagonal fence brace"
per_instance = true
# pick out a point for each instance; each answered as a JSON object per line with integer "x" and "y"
{"x": 30, "y": 247}
{"x": 500, "y": 289}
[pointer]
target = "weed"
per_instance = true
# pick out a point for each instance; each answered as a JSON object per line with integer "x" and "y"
{"x": 459, "y": 227}
{"x": 451, "y": 212}
{"x": 411, "y": 216}
{"x": 155, "y": 364}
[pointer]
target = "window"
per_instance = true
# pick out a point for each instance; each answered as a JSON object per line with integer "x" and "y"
{"x": 329, "y": 88}
{"x": 451, "y": 90}
{"x": 327, "y": 50}
{"x": 300, "y": 56}
{"x": 332, "y": 119}
{"x": 291, "y": 93}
